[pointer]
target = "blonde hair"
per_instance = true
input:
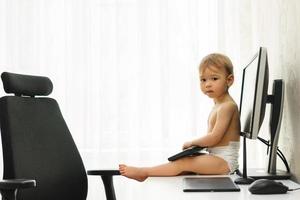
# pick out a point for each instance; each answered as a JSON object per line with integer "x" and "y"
{"x": 217, "y": 60}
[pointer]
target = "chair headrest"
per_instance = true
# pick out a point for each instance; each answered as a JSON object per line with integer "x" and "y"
{"x": 26, "y": 85}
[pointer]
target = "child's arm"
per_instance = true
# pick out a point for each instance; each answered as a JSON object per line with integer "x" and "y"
{"x": 224, "y": 116}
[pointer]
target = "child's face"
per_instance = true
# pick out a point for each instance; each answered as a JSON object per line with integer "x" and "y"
{"x": 215, "y": 81}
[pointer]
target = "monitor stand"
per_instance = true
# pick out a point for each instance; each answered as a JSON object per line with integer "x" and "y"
{"x": 244, "y": 179}
{"x": 276, "y": 101}
{"x": 264, "y": 174}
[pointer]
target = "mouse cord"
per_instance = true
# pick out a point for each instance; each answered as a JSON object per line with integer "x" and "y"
{"x": 294, "y": 189}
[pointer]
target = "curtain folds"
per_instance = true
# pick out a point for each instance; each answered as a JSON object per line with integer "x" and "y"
{"x": 124, "y": 71}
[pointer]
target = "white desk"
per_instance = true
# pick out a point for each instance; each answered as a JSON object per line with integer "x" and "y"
{"x": 161, "y": 188}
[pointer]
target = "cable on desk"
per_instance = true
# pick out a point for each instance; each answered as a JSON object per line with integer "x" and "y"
{"x": 278, "y": 152}
{"x": 294, "y": 189}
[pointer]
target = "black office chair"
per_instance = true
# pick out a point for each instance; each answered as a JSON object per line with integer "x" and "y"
{"x": 39, "y": 154}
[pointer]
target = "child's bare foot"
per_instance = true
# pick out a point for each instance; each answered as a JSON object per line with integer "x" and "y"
{"x": 133, "y": 172}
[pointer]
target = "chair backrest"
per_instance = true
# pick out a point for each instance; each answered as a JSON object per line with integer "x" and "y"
{"x": 37, "y": 143}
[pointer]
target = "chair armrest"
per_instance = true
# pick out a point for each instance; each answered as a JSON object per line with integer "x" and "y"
{"x": 10, "y": 184}
{"x": 104, "y": 172}
{"x": 106, "y": 176}
{"x": 9, "y": 187}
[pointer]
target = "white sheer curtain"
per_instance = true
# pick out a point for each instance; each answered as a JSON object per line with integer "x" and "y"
{"x": 124, "y": 72}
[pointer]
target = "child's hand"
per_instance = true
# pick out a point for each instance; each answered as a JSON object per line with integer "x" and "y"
{"x": 187, "y": 145}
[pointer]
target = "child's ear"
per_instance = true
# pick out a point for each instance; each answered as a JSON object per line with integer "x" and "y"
{"x": 230, "y": 80}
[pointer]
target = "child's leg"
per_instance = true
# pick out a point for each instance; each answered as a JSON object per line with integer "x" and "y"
{"x": 205, "y": 164}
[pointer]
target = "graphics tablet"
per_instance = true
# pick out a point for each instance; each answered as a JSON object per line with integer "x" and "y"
{"x": 209, "y": 184}
{"x": 193, "y": 151}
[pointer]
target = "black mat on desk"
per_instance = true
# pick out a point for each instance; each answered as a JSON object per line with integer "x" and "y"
{"x": 209, "y": 184}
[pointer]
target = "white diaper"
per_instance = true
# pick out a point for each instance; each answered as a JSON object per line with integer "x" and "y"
{"x": 229, "y": 153}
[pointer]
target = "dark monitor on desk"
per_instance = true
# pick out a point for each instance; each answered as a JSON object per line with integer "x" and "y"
{"x": 254, "y": 98}
{"x": 254, "y": 94}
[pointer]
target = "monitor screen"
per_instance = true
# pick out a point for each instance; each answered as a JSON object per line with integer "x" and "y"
{"x": 254, "y": 94}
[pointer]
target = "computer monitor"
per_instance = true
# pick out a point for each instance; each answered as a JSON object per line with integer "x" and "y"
{"x": 254, "y": 98}
{"x": 254, "y": 94}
